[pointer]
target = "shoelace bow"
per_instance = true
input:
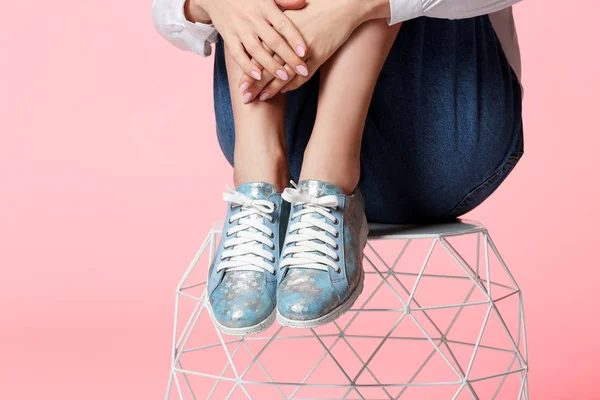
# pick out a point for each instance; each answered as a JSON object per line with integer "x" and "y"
{"x": 243, "y": 250}
{"x": 311, "y": 240}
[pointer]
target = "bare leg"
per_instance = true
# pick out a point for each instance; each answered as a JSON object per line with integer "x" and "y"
{"x": 260, "y": 149}
{"x": 333, "y": 152}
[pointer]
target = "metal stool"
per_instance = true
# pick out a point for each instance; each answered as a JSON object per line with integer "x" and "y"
{"x": 441, "y": 317}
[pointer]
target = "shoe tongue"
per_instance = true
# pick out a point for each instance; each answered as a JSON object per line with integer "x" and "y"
{"x": 319, "y": 189}
{"x": 257, "y": 190}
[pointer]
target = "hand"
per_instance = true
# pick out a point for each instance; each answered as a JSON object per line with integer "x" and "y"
{"x": 246, "y": 25}
{"x": 325, "y": 25}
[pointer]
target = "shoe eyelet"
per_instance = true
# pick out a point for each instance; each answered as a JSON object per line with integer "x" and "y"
{"x": 272, "y": 247}
{"x": 229, "y": 221}
{"x": 337, "y": 235}
{"x": 272, "y": 259}
{"x": 337, "y": 258}
{"x": 336, "y": 247}
{"x": 275, "y": 206}
{"x": 336, "y": 222}
{"x": 272, "y": 235}
{"x": 339, "y": 271}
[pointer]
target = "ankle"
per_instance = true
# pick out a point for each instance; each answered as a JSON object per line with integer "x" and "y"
{"x": 340, "y": 170}
{"x": 270, "y": 167}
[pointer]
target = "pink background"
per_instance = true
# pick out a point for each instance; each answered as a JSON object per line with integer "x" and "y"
{"x": 110, "y": 177}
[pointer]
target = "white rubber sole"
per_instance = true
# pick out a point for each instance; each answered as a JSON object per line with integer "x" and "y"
{"x": 250, "y": 330}
{"x": 332, "y": 315}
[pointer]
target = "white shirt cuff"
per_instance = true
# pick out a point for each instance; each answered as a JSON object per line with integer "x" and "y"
{"x": 204, "y": 34}
{"x": 403, "y": 10}
{"x": 169, "y": 19}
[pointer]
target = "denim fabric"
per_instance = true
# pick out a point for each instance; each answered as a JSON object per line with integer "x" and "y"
{"x": 444, "y": 126}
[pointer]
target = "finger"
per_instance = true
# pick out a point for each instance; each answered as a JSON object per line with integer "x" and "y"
{"x": 258, "y": 52}
{"x": 277, "y": 44}
{"x": 273, "y": 87}
{"x": 298, "y": 79}
{"x": 295, "y": 83}
{"x": 286, "y": 28}
{"x": 291, "y": 4}
{"x": 255, "y": 90}
{"x": 239, "y": 55}
{"x": 247, "y": 81}
{"x": 260, "y": 85}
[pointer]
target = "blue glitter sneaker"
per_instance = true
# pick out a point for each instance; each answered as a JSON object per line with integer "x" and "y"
{"x": 320, "y": 271}
{"x": 242, "y": 279}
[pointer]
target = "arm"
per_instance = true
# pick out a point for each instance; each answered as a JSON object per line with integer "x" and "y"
{"x": 183, "y": 26}
{"x": 246, "y": 27}
{"x": 188, "y": 26}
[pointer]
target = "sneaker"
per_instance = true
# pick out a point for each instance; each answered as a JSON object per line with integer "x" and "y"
{"x": 242, "y": 278}
{"x": 320, "y": 272}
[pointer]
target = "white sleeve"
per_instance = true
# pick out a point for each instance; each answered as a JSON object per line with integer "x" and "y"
{"x": 403, "y": 10}
{"x": 169, "y": 19}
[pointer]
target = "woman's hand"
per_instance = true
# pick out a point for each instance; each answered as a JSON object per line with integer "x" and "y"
{"x": 325, "y": 25}
{"x": 246, "y": 25}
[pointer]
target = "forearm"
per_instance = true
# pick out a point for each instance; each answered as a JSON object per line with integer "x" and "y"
{"x": 372, "y": 9}
{"x": 195, "y": 13}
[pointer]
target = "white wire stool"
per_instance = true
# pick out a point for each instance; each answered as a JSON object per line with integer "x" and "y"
{"x": 441, "y": 317}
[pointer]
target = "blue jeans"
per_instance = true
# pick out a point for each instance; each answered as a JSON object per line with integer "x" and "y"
{"x": 444, "y": 126}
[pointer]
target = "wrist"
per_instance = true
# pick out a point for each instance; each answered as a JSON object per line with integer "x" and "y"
{"x": 372, "y": 9}
{"x": 195, "y": 13}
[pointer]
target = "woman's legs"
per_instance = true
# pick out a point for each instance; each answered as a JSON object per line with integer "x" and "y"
{"x": 443, "y": 129}
{"x": 260, "y": 153}
{"x": 333, "y": 151}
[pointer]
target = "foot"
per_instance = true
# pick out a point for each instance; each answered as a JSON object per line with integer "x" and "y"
{"x": 320, "y": 272}
{"x": 242, "y": 279}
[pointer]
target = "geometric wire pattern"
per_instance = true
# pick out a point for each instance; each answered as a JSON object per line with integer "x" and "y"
{"x": 441, "y": 317}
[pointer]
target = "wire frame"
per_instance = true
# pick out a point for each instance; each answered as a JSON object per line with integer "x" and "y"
{"x": 440, "y": 317}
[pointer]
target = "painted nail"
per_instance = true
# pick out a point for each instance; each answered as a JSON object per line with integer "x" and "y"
{"x": 284, "y": 90}
{"x": 282, "y": 74}
{"x": 264, "y": 96}
{"x": 247, "y": 97}
{"x": 256, "y": 75}
{"x": 302, "y": 70}
{"x": 300, "y": 51}
{"x": 244, "y": 87}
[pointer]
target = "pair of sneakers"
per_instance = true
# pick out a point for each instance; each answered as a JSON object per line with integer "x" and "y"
{"x": 295, "y": 257}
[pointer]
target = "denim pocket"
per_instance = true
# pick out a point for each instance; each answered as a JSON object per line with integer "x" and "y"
{"x": 478, "y": 195}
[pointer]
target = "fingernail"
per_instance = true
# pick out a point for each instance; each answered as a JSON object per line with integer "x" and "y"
{"x": 264, "y": 96}
{"x": 302, "y": 70}
{"x": 284, "y": 90}
{"x": 244, "y": 87}
{"x": 256, "y": 75}
{"x": 300, "y": 51}
{"x": 247, "y": 97}
{"x": 282, "y": 74}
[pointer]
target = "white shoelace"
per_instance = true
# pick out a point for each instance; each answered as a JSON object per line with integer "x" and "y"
{"x": 311, "y": 245}
{"x": 244, "y": 249}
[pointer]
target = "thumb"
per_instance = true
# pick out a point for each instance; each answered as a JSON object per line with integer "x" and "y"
{"x": 291, "y": 4}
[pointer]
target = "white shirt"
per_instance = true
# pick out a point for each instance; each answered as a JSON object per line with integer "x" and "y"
{"x": 169, "y": 19}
